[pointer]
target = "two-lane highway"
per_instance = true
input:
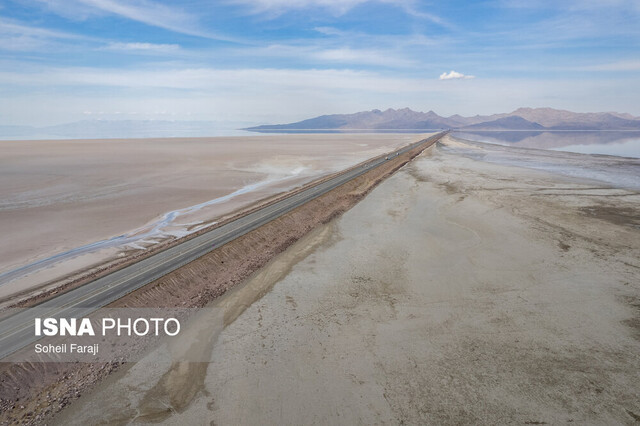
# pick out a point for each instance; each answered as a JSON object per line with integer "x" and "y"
{"x": 17, "y": 331}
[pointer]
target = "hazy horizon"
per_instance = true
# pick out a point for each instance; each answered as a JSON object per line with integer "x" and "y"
{"x": 222, "y": 128}
{"x": 279, "y": 61}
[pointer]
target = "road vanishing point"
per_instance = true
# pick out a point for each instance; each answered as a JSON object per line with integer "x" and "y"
{"x": 17, "y": 331}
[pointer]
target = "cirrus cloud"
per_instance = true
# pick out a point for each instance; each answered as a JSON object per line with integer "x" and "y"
{"x": 119, "y": 46}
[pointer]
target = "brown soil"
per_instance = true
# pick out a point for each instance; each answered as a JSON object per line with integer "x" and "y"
{"x": 32, "y": 393}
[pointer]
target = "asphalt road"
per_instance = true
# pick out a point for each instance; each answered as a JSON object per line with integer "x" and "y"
{"x": 17, "y": 331}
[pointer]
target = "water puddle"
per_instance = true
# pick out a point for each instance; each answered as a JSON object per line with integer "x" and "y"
{"x": 619, "y": 172}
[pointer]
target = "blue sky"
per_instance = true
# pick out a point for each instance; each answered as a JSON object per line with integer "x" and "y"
{"x": 242, "y": 62}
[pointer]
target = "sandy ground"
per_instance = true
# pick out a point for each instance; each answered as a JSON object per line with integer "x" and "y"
{"x": 457, "y": 292}
{"x": 56, "y": 196}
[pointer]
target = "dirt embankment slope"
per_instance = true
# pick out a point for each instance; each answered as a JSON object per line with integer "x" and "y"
{"x": 31, "y": 393}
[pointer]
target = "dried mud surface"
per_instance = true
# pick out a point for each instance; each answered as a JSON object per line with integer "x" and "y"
{"x": 457, "y": 292}
{"x": 32, "y": 393}
{"x": 58, "y": 196}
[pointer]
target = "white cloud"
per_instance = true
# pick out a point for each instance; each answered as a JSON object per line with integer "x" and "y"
{"x": 147, "y": 12}
{"x": 614, "y": 66}
{"x": 16, "y": 28}
{"x": 283, "y": 95}
{"x": 149, "y": 47}
{"x": 337, "y": 7}
{"x": 362, "y": 56}
{"x": 453, "y": 75}
{"x": 332, "y": 31}
{"x": 16, "y": 36}
{"x": 318, "y": 53}
{"x": 211, "y": 79}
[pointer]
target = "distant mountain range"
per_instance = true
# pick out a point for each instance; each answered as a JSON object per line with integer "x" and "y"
{"x": 523, "y": 119}
{"x": 406, "y": 119}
